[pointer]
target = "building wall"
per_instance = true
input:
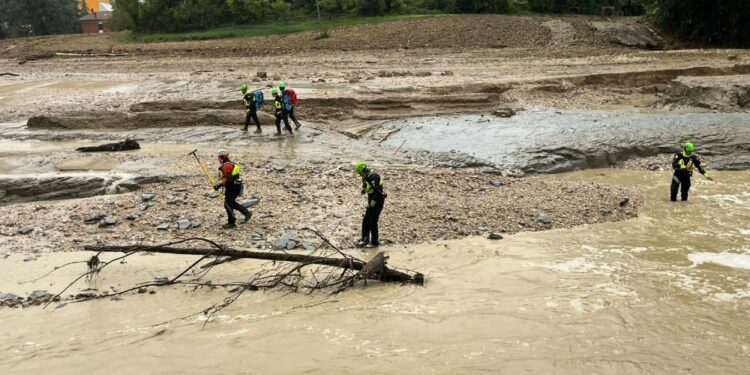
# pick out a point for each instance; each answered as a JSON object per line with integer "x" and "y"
{"x": 92, "y": 27}
{"x": 94, "y": 4}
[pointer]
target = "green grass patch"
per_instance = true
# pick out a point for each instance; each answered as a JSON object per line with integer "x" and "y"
{"x": 245, "y": 31}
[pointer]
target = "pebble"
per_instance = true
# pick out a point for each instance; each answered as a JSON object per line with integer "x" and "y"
{"x": 147, "y": 197}
{"x": 495, "y": 236}
{"x": 93, "y": 219}
{"x": 107, "y": 222}
{"x": 250, "y": 202}
{"x": 25, "y": 230}
{"x": 624, "y": 201}
{"x": 8, "y": 297}
{"x": 183, "y": 224}
{"x": 132, "y": 217}
{"x": 543, "y": 220}
{"x": 605, "y": 211}
{"x": 40, "y": 294}
{"x": 496, "y": 183}
{"x": 162, "y": 226}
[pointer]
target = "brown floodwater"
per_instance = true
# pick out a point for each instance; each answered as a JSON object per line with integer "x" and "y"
{"x": 666, "y": 293}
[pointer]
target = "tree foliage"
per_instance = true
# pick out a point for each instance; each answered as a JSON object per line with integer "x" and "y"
{"x": 38, "y": 17}
{"x": 725, "y": 22}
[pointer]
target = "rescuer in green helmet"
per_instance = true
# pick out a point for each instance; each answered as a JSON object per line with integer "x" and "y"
{"x": 280, "y": 112}
{"x": 290, "y": 101}
{"x": 250, "y": 100}
{"x": 683, "y": 163}
{"x": 372, "y": 185}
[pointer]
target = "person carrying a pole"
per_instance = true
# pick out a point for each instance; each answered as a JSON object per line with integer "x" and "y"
{"x": 229, "y": 173}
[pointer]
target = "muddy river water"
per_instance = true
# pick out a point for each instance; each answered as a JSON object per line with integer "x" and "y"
{"x": 668, "y": 292}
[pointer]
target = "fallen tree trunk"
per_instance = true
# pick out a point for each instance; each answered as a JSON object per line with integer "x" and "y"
{"x": 375, "y": 269}
{"x": 126, "y": 145}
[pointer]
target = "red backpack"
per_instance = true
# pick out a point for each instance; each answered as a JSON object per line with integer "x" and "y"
{"x": 292, "y": 96}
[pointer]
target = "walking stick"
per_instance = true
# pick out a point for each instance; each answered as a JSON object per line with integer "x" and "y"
{"x": 208, "y": 175}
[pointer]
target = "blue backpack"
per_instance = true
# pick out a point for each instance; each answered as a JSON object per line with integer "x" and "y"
{"x": 287, "y": 100}
{"x": 258, "y": 98}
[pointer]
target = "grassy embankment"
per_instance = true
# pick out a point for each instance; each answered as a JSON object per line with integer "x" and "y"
{"x": 246, "y": 31}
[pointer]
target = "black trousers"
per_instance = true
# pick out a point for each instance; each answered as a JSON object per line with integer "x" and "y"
{"x": 294, "y": 118}
{"x": 252, "y": 114}
{"x": 370, "y": 224}
{"x": 231, "y": 192}
{"x": 681, "y": 181}
{"x": 283, "y": 116}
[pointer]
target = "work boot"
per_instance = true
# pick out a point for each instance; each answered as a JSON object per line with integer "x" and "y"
{"x": 247, "y": 215}
{"x": 278, "y": 134}
{"x": 361, "y": 242}
{"x": 297, "y": 126}
{"x": 371, "y": 245}
{"x": 244, "y": 129}
{"x": 258, "y": 130}
{"x": 229, "y": 226}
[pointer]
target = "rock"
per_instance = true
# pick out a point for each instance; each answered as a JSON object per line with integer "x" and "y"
{"x": 40, "y": 294}
{"x": 93, "y": 219}
{"x": 628, "y": 34}
{"x": 496, "y": 183}
{"x": 279, "y": 169}
{"x": 195, "y": 224}
{"x": 257, "y": 237}
{"x": 107, "y": 222}
{"x": 495, "y": 236}
{"x": 624, "y": 201}
{"x": 309, "y": 246}
{"x": 605, "y": 211}
{"x": 141, "y": 290}
{"x": 250, "y": 202}
{"x": 162, "y": 226}
{"x": 29, "y": 259}
{"x": 543, "y": 220}
{"x": 285, "y": 241}
{"x": 8, "y": 297}
{"x": 504, "y": 112}
{"x": 515, "y": 173}
{"x": 183, "y": 224}
{"x": 147, "y": 197}
{"x": 490, "y": 170}
{"x": 177, "y": 201}
{"x": 25, "y": 230}
{"x": 213, "y": 194}
{"x": 132, "y": 217}
{"x": 261, "y": 74}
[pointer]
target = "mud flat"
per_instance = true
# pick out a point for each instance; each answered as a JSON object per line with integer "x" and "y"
{"x": 724, "y": 93}
{"x": 551, "y": 141}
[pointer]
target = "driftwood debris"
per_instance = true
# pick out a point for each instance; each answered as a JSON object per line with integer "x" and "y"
{"x": 298, "y": 273}
{"x": 375, "y": 269}
{"x": 128, "y": 144}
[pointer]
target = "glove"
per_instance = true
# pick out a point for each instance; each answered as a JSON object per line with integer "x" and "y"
{"x": 373, "y": 203}
{"x": 217, "y": 186}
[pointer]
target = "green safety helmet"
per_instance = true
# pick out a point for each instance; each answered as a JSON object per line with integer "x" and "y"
{"x": 274, "y": 91}
{"x": 689, "y": 147}
{"x": 360, "y": 167}
{"x": 243, "y": 88}
{"x": 282, "y": 85}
